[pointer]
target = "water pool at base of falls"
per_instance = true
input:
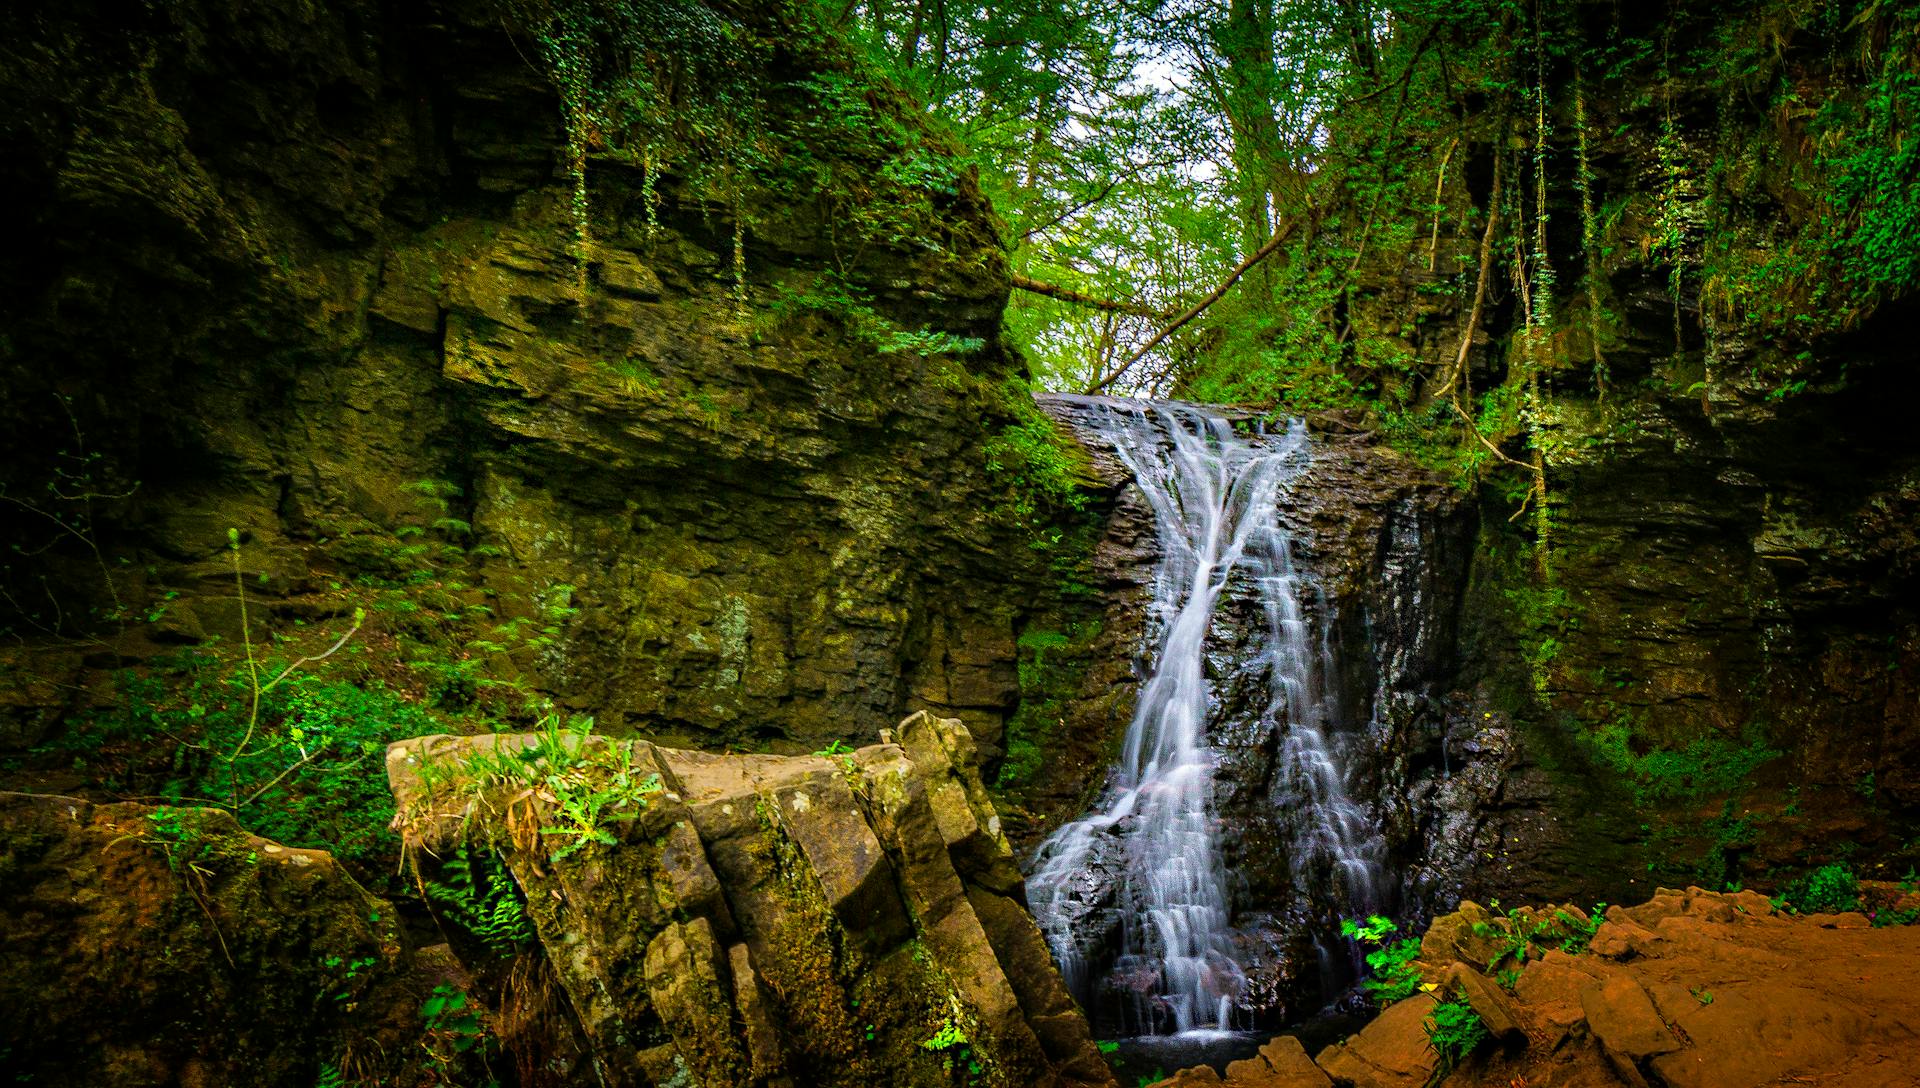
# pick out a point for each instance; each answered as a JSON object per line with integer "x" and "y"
{"x": 1145, "y": 1055}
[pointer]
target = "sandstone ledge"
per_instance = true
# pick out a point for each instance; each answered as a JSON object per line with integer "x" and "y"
{"x": 1692, "y": 989}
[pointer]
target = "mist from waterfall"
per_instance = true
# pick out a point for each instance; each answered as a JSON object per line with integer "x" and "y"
{"x": 1213, "y": 493}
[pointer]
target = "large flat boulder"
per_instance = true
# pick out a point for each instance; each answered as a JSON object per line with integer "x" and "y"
{"x": 1390, "y": 1052}
{"x": 1699, "y": 990}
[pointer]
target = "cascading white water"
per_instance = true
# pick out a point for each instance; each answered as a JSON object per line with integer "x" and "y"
{"x": 1213, "y": 494}
{"x": 1339, "y": 831}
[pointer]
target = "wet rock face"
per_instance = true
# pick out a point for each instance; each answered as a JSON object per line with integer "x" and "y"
{"x": 759, "y": 920}
{"x": 1733, "y": 500}
{"x": 1091, "y": 699}
{"x": 1751, "y": 567}
{"x": 150, "y": 945}
{"x": 1386, "y": 549}
{"x": 1389, "y": 546}
{"x": 312, "y": 278}
{"x": 1736, "y": 578}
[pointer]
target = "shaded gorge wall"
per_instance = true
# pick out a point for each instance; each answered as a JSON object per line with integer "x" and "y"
{"x": 717, "y": 473}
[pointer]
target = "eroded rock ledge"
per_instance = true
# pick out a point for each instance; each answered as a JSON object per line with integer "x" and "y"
{"x": 849, "y": 918}
{"x": 1692, "y": 989}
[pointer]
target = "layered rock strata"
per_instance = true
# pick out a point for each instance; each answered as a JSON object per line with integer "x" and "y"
{"x": 316, "y": 278}
{"x": 848, "y": 918}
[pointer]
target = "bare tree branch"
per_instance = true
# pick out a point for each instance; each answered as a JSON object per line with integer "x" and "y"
{"x": 1068, "y": 294}
{"x": 1455, "y": 385}
{"x": 1071, "y": 210}
{"x": 1273, "y": 246}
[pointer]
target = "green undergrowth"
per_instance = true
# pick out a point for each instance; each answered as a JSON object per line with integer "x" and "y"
{"x": 1892, "y": 917}
{"x": 1830, "y": 889}
{"x": 451, "y": 1027}
{"x": 472, "y": 889}
{"x": 286, "y": 725}
{"x": 852, "y": 309}
{"x": 1835, "y": 888}
{"x": 1454, "y": 1031}
{"x": 1527, "y": 933}
{"x": 1516, "y": 938}
{"x": 1044, "y": 469}
{"x": 307, "y": 770}
{"x": 434, "y": 629}
{"x": 587, "y": 787}
{"x": 1702, "y": 768}
{"x": 713, "y": 104}
{"x": 1694, "y": 801}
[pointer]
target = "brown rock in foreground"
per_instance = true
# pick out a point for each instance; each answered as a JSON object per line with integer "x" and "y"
{"x": 1692, "y": 989}
{"x": 844, "y": 919}
{"x": 1391, "y": 1052}
{"x": 149, "y": 945}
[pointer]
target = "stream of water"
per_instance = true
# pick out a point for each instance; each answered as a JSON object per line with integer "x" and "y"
{"x": 1213, "y": 494}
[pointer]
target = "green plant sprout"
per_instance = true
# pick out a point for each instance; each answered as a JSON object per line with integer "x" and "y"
{"x": 1393, "y": 976}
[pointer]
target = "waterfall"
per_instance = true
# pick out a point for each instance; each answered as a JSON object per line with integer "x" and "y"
{"x": 1151, "y": 843}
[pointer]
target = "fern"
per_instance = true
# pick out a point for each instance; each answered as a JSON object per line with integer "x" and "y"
{"x": 478, "y": 894}
{"x": 1454, "y": 1031}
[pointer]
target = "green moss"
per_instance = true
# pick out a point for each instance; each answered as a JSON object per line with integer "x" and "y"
{"x": 1041, "y": 464}
{"x": 1704, "y": 767}
{"x": 1052, "y": 667}
{"x": 1731, "y": 834}
{"x": 1543, "y": 614}
{"x": 809, "y": 972}
{"x": 851, "y": 1014}
{"x": 830, "y": 296}
{"x": 197, "y": 841}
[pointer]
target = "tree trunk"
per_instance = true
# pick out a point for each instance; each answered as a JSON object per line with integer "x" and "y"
{"x": 910, "y": 45}
{"x": 1247, "y": 42}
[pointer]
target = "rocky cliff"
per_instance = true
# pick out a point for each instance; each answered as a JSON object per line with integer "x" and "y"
{"x": 619, "y": 914}
{"x": 364, "y": 382}
{"x": 1696, "y": 316}
{"x": 704, "y": 456}
{"x": 490, "y": 362}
